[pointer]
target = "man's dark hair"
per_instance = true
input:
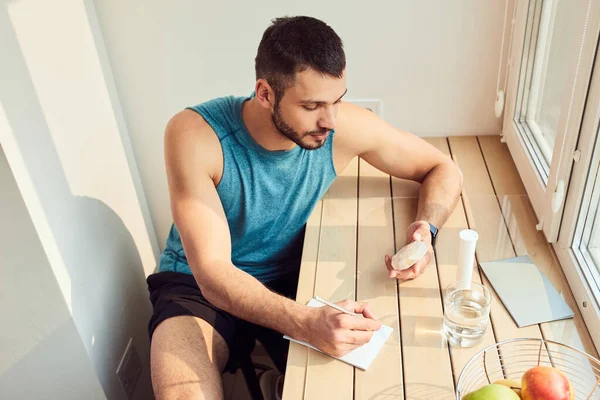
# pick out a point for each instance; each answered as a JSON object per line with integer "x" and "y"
{"x": 295, "y": 44}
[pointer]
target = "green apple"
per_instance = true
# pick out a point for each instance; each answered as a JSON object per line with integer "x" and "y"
{"x": 492, "y": 392}
{"x": 513, "y": 384}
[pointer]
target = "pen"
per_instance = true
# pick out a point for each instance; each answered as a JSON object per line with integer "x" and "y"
{"x": 332, "y": 305}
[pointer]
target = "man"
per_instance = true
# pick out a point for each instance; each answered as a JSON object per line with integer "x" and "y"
{"x": 244, "y": 175}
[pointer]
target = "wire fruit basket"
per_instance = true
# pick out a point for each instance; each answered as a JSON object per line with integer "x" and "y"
{"x": 510, "y": 359}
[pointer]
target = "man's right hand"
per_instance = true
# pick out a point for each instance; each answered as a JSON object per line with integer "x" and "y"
{"x": 337, "y": 333}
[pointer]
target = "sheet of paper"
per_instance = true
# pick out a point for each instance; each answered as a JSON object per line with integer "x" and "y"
{"x": 525, "y": 291}
{"x": 363, "y": 356}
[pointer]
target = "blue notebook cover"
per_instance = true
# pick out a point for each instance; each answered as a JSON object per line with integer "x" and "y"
{"x": 525, "y": 291}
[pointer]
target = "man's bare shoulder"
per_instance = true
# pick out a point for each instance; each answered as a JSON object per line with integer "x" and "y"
{"x": 354, "y": 123}
{"x": 190, "y": 140}
{"x": 189, "y": 125}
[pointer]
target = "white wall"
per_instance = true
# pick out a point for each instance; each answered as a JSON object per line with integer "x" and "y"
{"x": 433, "y": 63}
{"x": 43, "y": 356}
{"x": 66, "y": 141}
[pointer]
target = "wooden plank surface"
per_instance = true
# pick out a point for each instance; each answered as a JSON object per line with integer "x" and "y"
{"x": 343, "y": 257}
{"x": 484, "y": 216}
{"x": 447, "y": 257}
{"x": 428, "y": 371}
{"x": 384, "y": 378}
{"x": 335, "y": 276}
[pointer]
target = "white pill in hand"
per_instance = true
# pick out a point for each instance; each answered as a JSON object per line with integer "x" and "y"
{"x": 409, "y": 255}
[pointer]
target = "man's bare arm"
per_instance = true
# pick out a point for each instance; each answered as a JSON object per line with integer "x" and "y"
{"x": 405, "y": 156}
{"x": 193, "y": 156}
{"x": 439, "y": 193}
{"x": 191, "y": 151}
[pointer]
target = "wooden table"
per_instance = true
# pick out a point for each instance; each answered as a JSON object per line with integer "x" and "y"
{"x": 364, "y": 216}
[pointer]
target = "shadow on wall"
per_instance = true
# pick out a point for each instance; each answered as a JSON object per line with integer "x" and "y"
{"x": 39, "y": 327}
{"x": 108, "y": 296}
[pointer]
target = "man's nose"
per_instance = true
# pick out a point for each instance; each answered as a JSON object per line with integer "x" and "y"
{"x": 327, "y": 118}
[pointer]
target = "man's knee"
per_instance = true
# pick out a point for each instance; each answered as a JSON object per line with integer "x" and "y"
{"x": 182, "y": 393}
{"x": 187, "y": 359}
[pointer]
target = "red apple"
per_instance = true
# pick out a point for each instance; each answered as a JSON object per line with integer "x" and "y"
{"x": 546, "y": 383}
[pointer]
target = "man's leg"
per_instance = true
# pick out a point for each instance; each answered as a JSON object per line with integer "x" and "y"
{"x": 190, "y": 339}
{"x": 187, "y": 359}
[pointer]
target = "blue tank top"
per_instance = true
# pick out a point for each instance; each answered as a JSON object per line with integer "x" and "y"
{"x": 267, "y": 195}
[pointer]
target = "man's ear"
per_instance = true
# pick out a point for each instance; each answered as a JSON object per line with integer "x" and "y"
{"x": 264, "y": 94}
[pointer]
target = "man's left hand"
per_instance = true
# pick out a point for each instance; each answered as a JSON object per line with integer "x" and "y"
{"x": 418, "y": 230}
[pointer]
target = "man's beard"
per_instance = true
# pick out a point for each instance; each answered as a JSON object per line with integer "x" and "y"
{"x": 286, "y": 130}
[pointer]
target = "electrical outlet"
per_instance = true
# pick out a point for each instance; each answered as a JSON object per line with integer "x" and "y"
{"x": 129, "y": 369}
{"x": 373, "y": 105}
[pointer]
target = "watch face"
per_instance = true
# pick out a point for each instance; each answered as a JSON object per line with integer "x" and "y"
{"x": 433, "y": 230}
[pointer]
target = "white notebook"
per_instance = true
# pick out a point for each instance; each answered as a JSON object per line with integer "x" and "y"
{"x": 363, "y": 356}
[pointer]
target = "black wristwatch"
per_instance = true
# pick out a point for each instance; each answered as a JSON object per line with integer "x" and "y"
{"x": 434, "y": 232}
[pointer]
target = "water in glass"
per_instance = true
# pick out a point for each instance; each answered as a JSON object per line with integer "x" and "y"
{"x": 466, "y": 315}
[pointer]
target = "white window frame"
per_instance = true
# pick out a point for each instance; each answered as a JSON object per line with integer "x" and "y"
{"x": 540, "y": 179}
{"x": 577, "y": 135}
{"x": 578, "y": 266}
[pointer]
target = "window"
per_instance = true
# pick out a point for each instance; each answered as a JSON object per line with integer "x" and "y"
{"x": 586, "y": 241}
{"x": 554, "y": 52}
{"x": 552, "y": 128}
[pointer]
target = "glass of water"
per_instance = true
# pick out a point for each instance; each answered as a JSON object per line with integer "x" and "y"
{"x": 466, "y": 313}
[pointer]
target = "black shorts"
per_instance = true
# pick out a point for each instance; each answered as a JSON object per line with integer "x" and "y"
{"x": 174, "y": 294}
